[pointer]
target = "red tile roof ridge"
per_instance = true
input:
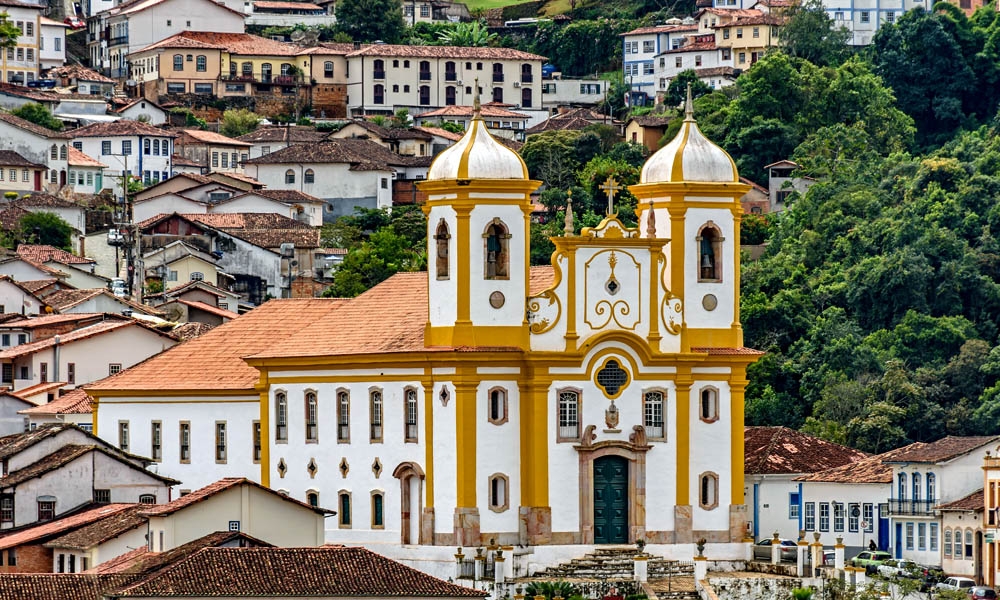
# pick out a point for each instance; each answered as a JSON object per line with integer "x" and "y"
{"x": 781, "y": 450}
{"x": 60, "y": 524}
{"x": 976, "y": 501}
{"x": 66, "y": 338}
{"x": 215, "y": 310}
{"x": 73, "y": 402}
{"x": 40, "y": 388}
{"x": 217, "y": 487}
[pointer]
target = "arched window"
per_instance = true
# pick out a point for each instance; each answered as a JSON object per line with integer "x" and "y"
{"x": 932, "y": 488}
{"x": 312, "y": 498}
{"x": 708, "y": 405}
{"x": 526, "y": 97}
{"x": 375, "y": 415}
{"x": 378, "y": 95}
{"x": 156, "y": 147}
{"x": 62, "y": 152}
{"x": 247, "y": 69}
{"x": 653, "y": 403}
{"x": 289, "y": 176}
{"x": 708, "y": 491}
{"x": 378, "y": 510}
{"x": 450, "y": 74}
{"x": 178, "y": 62}
{"x": 958, "y": 544}
{"x": 916, "y": 488}
{"x": 265, "y": 72}
{"x": 312, "y": 418}
{"x": 495, "y": 250}
{"x": 498, "y": 95}
{"x": 569, "y": 415}
{"x": 947, "y": 543}
{"x": 902, "y": 486}
{"x": 343, "y": 416}
{"x": 709, "y": 253}
{"x": 497, "y": 409}
{"x": 424, "y": 69}
{"x": 378, "y": 69}
{"x": 53, "y": 176}
{"x": 328, "y": 69}
{"x": 499, "y": 498}
{"x": 309, "y": 176}
{"x": 449, "y": 96}
{"x": 344, "y": 503}
{"x": 54, "y": 152}
{"x": 411, "y": 416}
{"x": 285, "y": 69}
{"x": 147, "y": 499}
{"x": 147, "y": 146}
{"x": 280, "y": 417}
{"x": 425, "y": 95}
{"x": 968, "y": 544}
{"x": 201, "y": 63}
{"x": 441, "y": 241}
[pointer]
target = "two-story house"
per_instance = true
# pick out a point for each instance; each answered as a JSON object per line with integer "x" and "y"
{"x": 38, "y": 145}
{"x": 214, "y": 151}
{"x": 712, "y": 65}
{"x": 20, "y": 63}
{"x": 640, "y": 49}
{"x": 51, "y": 44}
{"x": 134, "y": 147}
{"x": 748, "y": 38}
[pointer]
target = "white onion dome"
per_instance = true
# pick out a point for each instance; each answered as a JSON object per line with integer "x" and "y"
{"x": 690, "y": 156}
{"x": 478, "y": 156}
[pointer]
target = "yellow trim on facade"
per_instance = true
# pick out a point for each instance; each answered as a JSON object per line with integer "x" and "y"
{"x": 682, "y": 383}
{"x": 678, "y": 215}
{"x": 534, "y": 424}
{"x": 264, "y": 388}
{"x": 677, "y": 169}
{"x": 465, "y": 439}
{"x": 728, "y": 337}
{"x": 467, "y": 334}
{"x": 737, "y": 387}
{"x": 666, "y": 193}
{"x": 428, "y": 442}
{"x": 462, "y": 274}
{"x": 96, "y": 403}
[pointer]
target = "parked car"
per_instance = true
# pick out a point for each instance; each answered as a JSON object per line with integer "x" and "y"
{"x": 117, "y": 287}
{"x": 829, "y": 558}
{"x": 982, "y": 592}
{"x": 956, "y": 583}
{"x": 762, "y": 550}
{"x": 930, "y": 577}
{"x": 901, "y": 567}
{"x": 115, "y": 237}
{"x": 75, "y": 22}
{"x": 870, "y": 560}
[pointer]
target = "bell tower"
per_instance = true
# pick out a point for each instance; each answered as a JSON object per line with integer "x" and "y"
{"x": 478, "y": 227}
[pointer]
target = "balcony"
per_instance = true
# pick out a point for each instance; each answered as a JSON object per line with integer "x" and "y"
{"x": 527, "y": 78}
{"x": 120, "y": 40}
{"x": 378, "y": 75}
{"x": 425, "y": 76}
{"x": 286, "y": 80}
{"x": 498, "y": 78}
{"x": 912, "y": 507}
{"x": 242, "y": 77}
{"x": 450, "y": 76}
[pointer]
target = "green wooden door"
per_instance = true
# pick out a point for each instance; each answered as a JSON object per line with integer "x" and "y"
{"x": 610, "y": 500}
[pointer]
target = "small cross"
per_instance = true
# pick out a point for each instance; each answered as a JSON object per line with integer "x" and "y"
{"x": 611, "y": 187}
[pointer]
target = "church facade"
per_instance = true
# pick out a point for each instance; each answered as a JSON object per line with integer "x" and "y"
{"x": 595, "y": 401}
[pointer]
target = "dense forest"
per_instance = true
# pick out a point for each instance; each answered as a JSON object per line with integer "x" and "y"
{"x": 877, "y": 299}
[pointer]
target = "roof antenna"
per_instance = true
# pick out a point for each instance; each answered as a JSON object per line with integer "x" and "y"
{"x": 689, "y": 106}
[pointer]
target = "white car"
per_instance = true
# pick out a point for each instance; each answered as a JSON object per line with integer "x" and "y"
{"x": 902, "y": 567}
{"x": 956, "y": 583}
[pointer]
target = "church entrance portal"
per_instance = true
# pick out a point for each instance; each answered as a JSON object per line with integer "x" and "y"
{"x": 611, "y": 500}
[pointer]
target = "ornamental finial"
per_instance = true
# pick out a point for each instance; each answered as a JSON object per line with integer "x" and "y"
{"x": 651, "y": 221}
{"x": 569, "y": 228}
{"x": 689, "y": 106}
{"x": 477, "y": 109}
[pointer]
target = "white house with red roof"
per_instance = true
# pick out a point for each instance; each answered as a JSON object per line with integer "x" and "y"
{"x": 72, "y": 406}
{"x": 139, "y": 148}
{"x": 86, "y": 174}
{"x": 642, "y": 45}
{"x": 38, "y": 145}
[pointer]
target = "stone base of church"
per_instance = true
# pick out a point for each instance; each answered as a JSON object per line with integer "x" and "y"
{"x": 427, "y": 526}
{"x": 738, "y": 523}
{"x": 467, "y": 527}
{"x": 535, "y": 525}
{"x": 683, "y": 534}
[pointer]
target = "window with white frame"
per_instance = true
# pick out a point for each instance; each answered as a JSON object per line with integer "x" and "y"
{"x": 343, "y": 416}
{"x": 824, "y": 516}
{"x": 411, "y": 415}
{"x": 793, "y": 505}
{"x": 853, "y": 516}
{"x": 838, "y": 516}
{"x": 810, "y": 516}
{"x": 921, "y": 536}
{"x": 958, "y": 544}
{"x": 312, "y": 417}
{"x": 375, "y": 415}
{"x": 909, "y": 536}
{"x": 932, "y": 537}
{"x": 220, "y": 441}
{"x": 280, "y": 417}
{"x": 947, "y": 543}
{"x": 569, "y": 415}
{"x": 866, "y": 16}
{"x": 653, "y": 403}
{"x": 868, "y": 516}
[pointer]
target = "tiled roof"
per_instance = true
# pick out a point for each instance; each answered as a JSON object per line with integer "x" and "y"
{"x": 391, "y": 133}
{"x": 219, "y": 353}
{"x": 141, "y": 561}
{"x": 470, "y": 52}
{"x": 79, "y": 159}
{"x": 73, "y": 402}
{"x": 266, "y": 230}
{"x": 237, "y": 176}
{"x": 559, "y": 123}
{"x": 401, "y": 305}
{"x": 36, "y": 285}
{"x": 41, "y": 199}
{"x": 288, "y": 196}
{"x": 188, "y": 331}
{"x": 40, "y": 388}
{"x": 661, "y": 29}
{"x": 693, "y": 47}
{"x": 715, "y": 72}
{"x": 872, "y": 469}
{"x": 327, "y": 571}
{"x": 46, "y": 320}
{"x": 780, "y": 450}
{"x": 9, "y": 158}
{"x": 272, "y": 239}
{"x": 235, "y": 43}
{"x": 488, "y": 112}
{"x": 66, "y": 338}
{"x": 277, "y": 133}
{"x": 444, "y": 133}
{"x": 50, "y": 529}
{"x": 353, "y": 151}
{"x": 649, "y": 121}
{"x": 68, "y": 298}
{"x": 15, "y": 443}
{"x": 64, "y": 456}
{"x": 210, "y": 137}
{"x": 80, "y": 73}
{"x": 101, "y": 531}
{"x": 729, "y": 351}
{"x": 974, "y": 501}
{"x": 10, "y": 217}
{"x": 120, "y": 128}
{"x": 942, "y": 450}
{"x": 754, "y": 185}
{"x": 203, "y": 285}
{"x": 755, "y": 20}
{"x": 60, "y": 586}
{"x": 286, "y": 5}
{"x": 32, "y": 128}
{"x": 734, "y": 13}
{"x": 228, "y": 483}
{"x": 43, "y": 268}
{"x": 215, "y": 310}
{"x": 42, "y": 253}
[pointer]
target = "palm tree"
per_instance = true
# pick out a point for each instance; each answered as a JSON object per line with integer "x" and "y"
{"x": 467, "y": 34}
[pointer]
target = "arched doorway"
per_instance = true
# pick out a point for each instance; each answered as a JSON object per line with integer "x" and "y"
{"x": 613, "y": 488}
{"x": 610, "y": 500}
{"x": 411, "y": 487}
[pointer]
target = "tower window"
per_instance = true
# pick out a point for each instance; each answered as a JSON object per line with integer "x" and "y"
{"x": 497, "y": 409}
{"x": 441, "y": 238}
{"x": 496, "y": 239}
{"x": 708, "y": 405}
{"x": 499, "y": 501}
{"x": 708, "y": 491}
{"x": 709, "y": 253}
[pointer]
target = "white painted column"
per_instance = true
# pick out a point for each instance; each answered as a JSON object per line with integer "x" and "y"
{"x": 640, "y": 566}
{"x": 499, "y": 569}
{"x": 458, "y": 564}
{"x": 838, "y": 555}
{"x": 700, "y": 570}
{"x": 508, "y": 552}
{"x": 775, "y": 549}
{"x": 800, "y": 562}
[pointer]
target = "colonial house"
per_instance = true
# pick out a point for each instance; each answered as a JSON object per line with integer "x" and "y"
{"x": 641, "y": 47}
{"x": 194, "y": 311}
{"x": 74, "y": 214}
{"x": 197, "y": 291}
{"x": 215, "y": 152}
{"x": 51, "y": 44}
{"x": 73, "y": 406}
{"x": 79, "y": 270}
{"x": 271, "y": 138}
{"x": 143, "y": 110}
{"x": 506, "y": 123}
{"x": 134, "y": 147}
{"x": 11, "y": 420}
{"x": 20, "y": 63}
{"x": 964, "y": 546}
{"x": 18, "y": 174}
{"x": 712, "y": 65}
{"x": 177, "y": 264}
{"x": 782, "y": 182}
{"x": 23, "y": 270}
{"x": 16, "y": 297}
{"x": 345, "y": 173}
{"x": 747, "y": 39}
{"x": 756, "y": 201}
{"x": 277, "y": 13}
{"x": 99, "y": 300}
{"x": 38, "y": 145}
{"x": 86, "y": 174}
{"x": 409, "y": 141}
{"x": 82, "y": 80}
{"x": 647, "y": 131}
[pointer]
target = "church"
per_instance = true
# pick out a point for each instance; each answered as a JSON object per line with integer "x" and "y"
{"x": 598, "y": 400}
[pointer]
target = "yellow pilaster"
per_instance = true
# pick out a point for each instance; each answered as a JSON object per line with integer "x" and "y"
{"x": 677, "y": 263}
{"x": 737, "y": 386}
{"x": 683, "y": 384}
{"x": 465, "y": 448}
{"x": 96, "y": 403}
{"x": 534, "y": 440}
{"x": 737, "y": 327}
{"x": 654, "y": 299}
{"x": 428, "y": 443}
{"x": 571, "y": 335}
{"x": 263, "y": 388}
{"x": 463, "y": 273}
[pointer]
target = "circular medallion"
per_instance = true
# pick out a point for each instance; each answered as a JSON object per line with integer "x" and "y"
{"x": 709, "y": 302}
{"x": 497, "y": 299}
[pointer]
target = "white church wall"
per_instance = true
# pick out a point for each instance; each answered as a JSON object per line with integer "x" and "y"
{"x": 445, "y": 456}
{"x": 443, "y": 310}
{"x": 661, "y": 466}
{"x": 498, "y": 450}
{"x": 543, "y": 309}
{"x": 713, "y": 457}
{"x": 694, "y": 313}
{"x": 514, "y": 288}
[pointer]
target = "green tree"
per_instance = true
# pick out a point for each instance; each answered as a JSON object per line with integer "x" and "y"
{"x": 8, "y": 31}
{"x": 468, "y": 34}
{"x": 810, "y": 33}
{"x": 551, "y": 156}
{"x": 238, "y": 121}
{"x": 37, "y": 114}
{"x": 677, "y": 90}
{"x": 371, "y": 20}
{"x": 46, "y": 228}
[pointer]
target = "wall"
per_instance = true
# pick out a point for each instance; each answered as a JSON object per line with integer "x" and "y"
{"x": 15, "y": 300}
{"x": 959, "y": 522}
{"x": 30, "y": 559}
{"x": 342, "y": 188}
{"x": 10, "y": 421}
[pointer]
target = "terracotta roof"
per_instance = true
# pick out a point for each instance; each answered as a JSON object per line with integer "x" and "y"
{"x": 42, "y": 253}
{"x": 401, "y": 305}
{"x": 43, "y": 268}
{"x": 50, "y": 529}
{"x": 10, "y": 217}
{"x": 66, "y": 338}
{"x": 141, "y": 561}
{"x": 210, "y": 137}
{"x": 328, "y": 571}
{"x": 188, "y": 331}
{"x": 735, "y": 13}
{"x": 9, "y": 158}
{"x": 693, "y": 47}
{"x": 661, "y": 29}
{"x": 179, "y": 161}
{"x": 277, "y": 133}
{"x": 68, "y": 298}
{"x": 237, "y": 176}
{"x": 974, "y": 502}
{"x": 767, "y": 19}
{"x": 942, "y": 450}
{"x": 60, "y": 586}
{"x": 79, "y": 159}
{"x": 40, "y": 388}
{"x": 780, "y": 450}
{"x": 471, "y": 52}
{"x": 101, "y": 531}
{"x": 228, "y": 483}
{"x": 650, "y": 121}
{"x": 73, "y": 402}
{"x": 266, "y": 230}
{"x": 353, "y": 151}
{"x": 219, "y": 353}
{"x": 80, "y": 73}
{"x": 36, "y": 285}
{"x": 287, "y": 196}
{"x": 235, "y": 43}
{"x": 120, "y": 128}
{"x": 202, "y": 284}
{"x": 729, "y": 351}
{"x": 488, "y": 112}
{"x": 15, "y": 443}
{"x": 41, "y": 199}
{"x": 389, "y": 133}
{"x": 872, "y": 469}
{"x": 46, "y": 320}
{"x": 444, "y": 133}
{"x": 754, "y": 185}
{"x": 287, "y": 5}
{"x": 215, "y": 310}
{"x": 559, "y": 123}
{"x": 32, "y": 128}
{"x": 64, "y": 456}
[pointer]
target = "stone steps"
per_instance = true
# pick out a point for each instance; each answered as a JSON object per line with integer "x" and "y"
{"x": 615, "y": 564}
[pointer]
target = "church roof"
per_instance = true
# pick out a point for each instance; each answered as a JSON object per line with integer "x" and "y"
{"x": 478, "y": 156}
